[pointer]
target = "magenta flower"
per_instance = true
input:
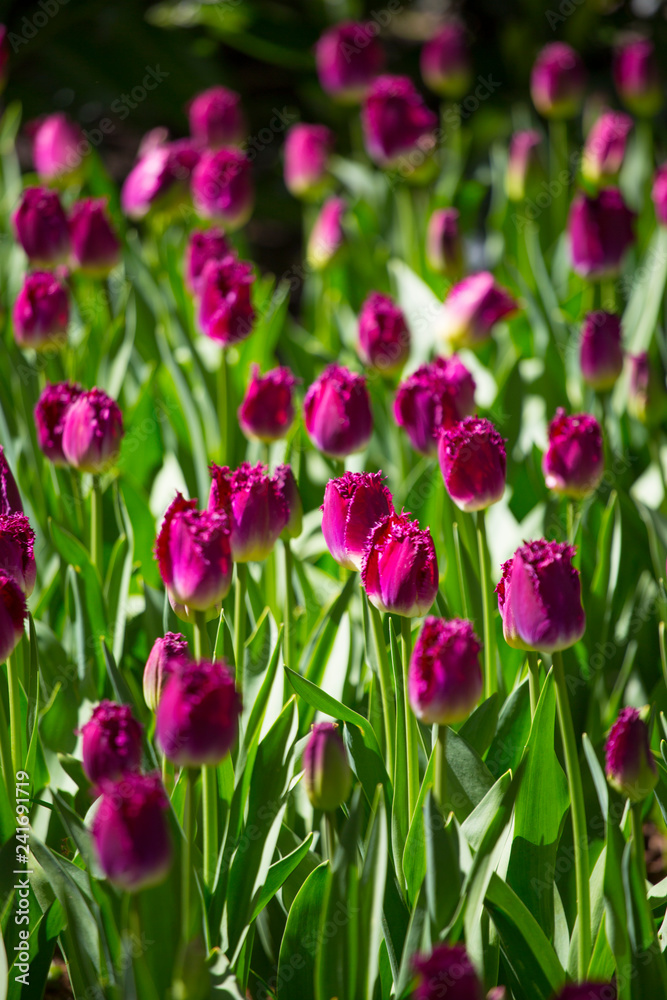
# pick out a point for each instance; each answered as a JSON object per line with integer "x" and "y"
{"x": 284, "y": 477}
{"x": 167, "y": 654}
{"x": 160, "y": 178}
{"x": 539, "y": 598}
{"x": 327, "y": 235}
{"x": 256, "y": 506}
{"x": 637, "y": 77}
{"x": 10, "y": 498}
{"x": 629, "y": 763}
{"x": 384, "y": 338}
{"x": 337, "y": 412}
{"x": 521, "y": 162}
{"x": 13, "y": 613}
{"x": 111, "y": 743}
{"x": 600, "y": 231}
{"x": 445, "y": 679}
{"x": 50, "y": 412}
{"x": 267, "y": 410}
{"x": 396, "y": 120}
{"x": 308, "y": 149}
{"x": 41, "y": 312}
{"x": 194, "y": 557}
{"x": 604, "y": 149}
{"x": 40, "y": 226}
{"x": 472, "y": 309}
{"x": 130, "y": 832}
{"x": 659, "y": 194}
{"x": 446, "y": 973}
{"x": 473, "y": 463}
{"x": 327, "y": 772}
{"x": 57, "y": 144}
{"x": 226, "y": 312}
{"x": 17, "y": 557}
{"x": 558, "y": 81}
{"x": 348, "y": 57}
{"x": 445, "y": 62}
{"x": 95, "y": 246}
{"x": 399, "y": 569}
{"x": 601, "y": 350}
{"x": 222, "y": 187}
{"x": 353, "y": 505}
{"x": 434, "y": 396}
{"x": 647, "y": 393}
{"x": 197, "y": 717}
{"x": 574, "y": 461}
{"x": 444, "y": 250}
{"x": 92, "y": 432}
{"x": 216, "y": 118}
{"x": 203, "y": 245}
{"x": 587, "y": 991}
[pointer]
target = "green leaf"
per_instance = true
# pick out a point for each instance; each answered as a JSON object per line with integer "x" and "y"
{"x": 468, "y": 778}
{"x": 302, "y": 938}
{"x": 443, "y": 878}
{"x": 479, "y": 728}
{"x": 278, "y": 874}
{"x": 414, "y": 856}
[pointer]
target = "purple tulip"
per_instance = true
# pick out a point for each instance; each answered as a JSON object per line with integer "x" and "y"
{"x": 384, "y": 338}
{"x": 226, "y": 312}
{"x": 472, "y": 309}
{"x": 647, "y": 392}
{"x": 13, "y": 612}
{"x": 57, "y": 144}
{"x": 353, "y": 505}
{"x": 256, "y": 507}
{"x": 539, "y": 597}
{"x": 111, "y": 743}
{"x": 284, "y": 477}
{"x": 629, "y": 763}
{"x": 17, "y": 557}
{"x": 167, "y": 654}
{"x": 348, "y": 58}
{"x": 92, "y": 432}
{"x": 130, "y": 832}
{"x": 308, "y": 149}
{"x": 659, "y": 194}
{"x": 587, "y": 991}
{"x": 574, "y": 461}
{"x": 522, "y": 161}
{"x": 444, "y": 250}
{"x": 445, "y": 62}
{"x": 10, "y": 498}
{"x": 41, "y": 312}
{"x": 637, "y": 77}
{"x": 445, "y": 679}
{"x": 50, "y": 413}
{"x": 400, "y": 570}
{"x": 434, "y": 396}
{"x": 95, "y": 246}
{"x": 446, "y": 973}
{"x": 327, "y": 772}
{"x": 197, "y": 718}
{"x": 194, "y": 557}
{"x": 604, "y": 149}
{"x": 203, "y": 245}
{"x": 327, "y": 235}
{"x": 222, "y": 187}
{"x": 337, "y": 412}
{"x": 159, "y": 180}
{"x": 267, "y": 410}
{"x": 600, "y": 231}
{"x": 40, "y": 226}
{"x": 558, "y": 81}
{"x": 216, "y": 118}
{"x": 396, "y": 121}
{"x": 473, "y": 463}
{"x": 601, "y": 350}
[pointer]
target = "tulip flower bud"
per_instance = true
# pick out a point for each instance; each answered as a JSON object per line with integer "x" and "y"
{"x": 286, "y": 483}
{"x": 659, "y": 195}
{"x": 56, "y": 146}
{"x": 337, "y": 412}
{"x": 472, "y": 309}
{"x": 399, "y": 569}
{"x": 267, "y": 410}
{"x": 256, "y": 506}
{"x": 95, "y": 246}
{"x": 203, "y": 245}
{"x": 647, "y": 392}
{"x": 40, "y": 226}
{"x": 434, "y": 396}
{"x": 473, "y": 463}
{"x": 167, "y": 654}
{"x": 222, "y": 187}
{"x": 130, "y": 832}
{"x": 216, "y": 118}
{"x": 13, "y": 612}
{"x": 445, "y": 62}
{"x": 10, "y": 498}
{"x": 50, "y": 413}
{"x": 159, "y": 180}
{"x": 111, "y": 743}
{"x": 353, "y": 505}
{"x": 637, "y": 77}
{"x": 587, "y": 991}
{"x": 539, "y": 598}
{"x": 41, "y": 312}
{"x": 558, "y": 81}
{"x": 444, "y": 250}
{"x": 574, "y": 461}
{"x": 396, "y": 121}
{"x": 92, "y": 432}
{"x": 17, "y": 559}
{"x": 630, "y": 766}
{"x": 604, "y": 149}
{"x": 447, "y": 971}
{"x": 384, "y": 338}
{"x": 197, "y": 717}
{"x": 601, "y": 350}
{"x": 445, "y": 678}
{"x": 600, "y": 230}
{"x": 327, "y": 235}
{"x": 4, "y": 57}
{"x": 327, "y": 773}
{"x": 226, "y": 312}
{"x": 348, "y": 57}
{"x": 522, "y": 161}
{"x": 308, "y": 149}
{"x": 194, "y": 557}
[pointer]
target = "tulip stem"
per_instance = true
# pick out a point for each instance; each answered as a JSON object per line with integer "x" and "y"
{"x": 5, "y": 751}
{"x": 289, "y": 607}
{"x": 15, "y": 722}
{"x": 384, "y": 671}
{"x": 202, "y": 644}
{"x": 579, "y": 830}
{"x": 223, "y": 405}
{"x": 459, "y": 569}
{"x": 533, "y": 681}
{"x": 239, "y": 622}
{"x": 412, "y": 735}
{"x": 489, "y": 636}
{"x": 208, "y": 774}
{"x": 96, "y": 526}
{"x": 186, "y": 871}
{"x": 557, "y": 163}
{"x": 454, "y": 573}
{"x": 638, "y": 839}
{"x": 330, "y": 836}
{"x": 441, "y": 767}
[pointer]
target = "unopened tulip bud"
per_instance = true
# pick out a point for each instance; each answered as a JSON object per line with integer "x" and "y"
{"x": 41, "y": 227}
{"x": 384, "y": 338}
{"x": 203, "y": 245}
{"x": 50, "y": 412}
{"x": 601, "y": 350}
{"x": 256, "y": 507}
{"x": 574, "y": 461}
{"x": 216, "y": 118}
{"x": 41, "y": 312}
{"x": 95, "y": 246}
{"x": 308, "y": 150}
{"x": 445, "y": 62}
{"x": 327, "y": 772}
{"x": 558, "y": 81}
{"x": 629, "y": 763}
{"x": 446, "y": 972}
{"x": 600, "y": 230}
{"x": 284, "y": 478}
{"x": 444, "y": 250}
{"x": 111, "y": 743}
{"x": 348, "y": 57}
{"x": 57, "y": 144}
{"x": 13, "y": 612}
{"x": 353, "y": 505}
{"x": 337, "y": 412}
{"x": 637, "y": 77}
{"x": 17, "y": 558}
{"x": 399, "y": 569}
{"x": 472, "y": 309}
{"x": 445, "y": 679}
{"x": 647, "y": 390}
{"x": 473, "y": 463}
{"x": 396, "y": 121}
{"x": 267, "y": 410}
{"x": 434, "y": 396}
{"x": 226, "y": 313}
{"x": 605, "y": 147}
{"x": 92, "y": 432}
{"x": 327, "y": 235}
{"x": 168, "y": 653}
{"x": 522, "y": 162}
{"x": 159, "y": 180}
{"x": 10, "y": 498}
{"x": 222, "y": 187}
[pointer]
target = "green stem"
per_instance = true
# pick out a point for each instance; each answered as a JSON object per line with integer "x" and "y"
{"x": 384, "y": 671}
{"x": 638, "y": 840}
{"x": 412, "y": 735}
{"x": 533, "y": 681}
{"x": 15, "y": 721}
{"x": 406, "y": 225}
{"x": 578, "y": 806}
{"x": 6, "y": 751}
{"x": 77, "y": 500}
{"x": 239, "y": 622}
{"x": 330, "y": 836}
{"x": 202, "y": 644}
{"x": 289, "y": 607}
{"x": 96, "y": 526}
{"x": 489, "y": 634}
{"x": 186, "y": 860}
{"x": 459, "y": 570}
{"x": 441, "y": 767}
{"x": 570, "y": 521}
{"x": 557, "y": 164}
{"x": 208, "y": 774}
{"x": 223, "y": 406}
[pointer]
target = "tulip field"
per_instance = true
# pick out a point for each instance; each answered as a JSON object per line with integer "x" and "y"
{"x": 332, "y": 576}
